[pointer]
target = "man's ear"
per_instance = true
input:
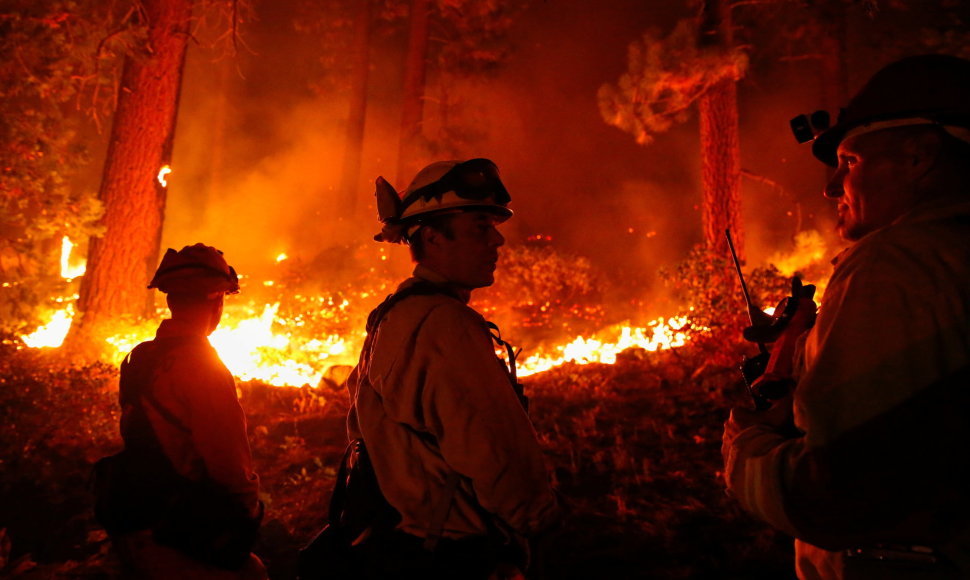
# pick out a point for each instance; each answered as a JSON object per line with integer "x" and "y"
{"x": 924, "y": 151}
{"x": 430, "y": 236}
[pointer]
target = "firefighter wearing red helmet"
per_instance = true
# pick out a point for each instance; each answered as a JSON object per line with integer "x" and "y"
{"x": 437, "y": 420}
{"x": 865, "y": 463}
{"x": 181, "y": 500}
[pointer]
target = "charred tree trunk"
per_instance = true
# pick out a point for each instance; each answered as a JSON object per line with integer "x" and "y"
{"x": 121, "y": 262}
{"x": 357, "y": 115}
{"x": 720, "y": 145}
{"x": 415, "y": 68}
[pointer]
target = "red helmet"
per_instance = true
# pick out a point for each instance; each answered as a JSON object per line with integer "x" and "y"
{"x": 932, "y": 89}
{"x": 196, "y": 269}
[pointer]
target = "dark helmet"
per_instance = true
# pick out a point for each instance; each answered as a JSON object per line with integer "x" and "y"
{"x": 442, "y": 187}
{"x": 932, "y": 89}
{"x": 196, "y": 269}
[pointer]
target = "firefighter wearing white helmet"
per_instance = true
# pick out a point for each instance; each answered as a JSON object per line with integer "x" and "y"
{"x": 181, "y": 500}
{"x": 865, "y": 463}
{"x": 442, "y": 419}
{"x": 442, "y": 188}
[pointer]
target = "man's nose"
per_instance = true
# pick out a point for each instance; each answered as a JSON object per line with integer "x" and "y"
{"x": 498, "y": 240}
{"x": 833, "y": 189}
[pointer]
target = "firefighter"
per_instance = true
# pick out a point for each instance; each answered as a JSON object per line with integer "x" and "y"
{"x": 443, "y": 418}
{"x": 182, "y": 497}
{"x": 874, "y": 480}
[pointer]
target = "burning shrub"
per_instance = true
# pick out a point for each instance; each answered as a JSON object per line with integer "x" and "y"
{"x": 709, "y": 284}
{"x": 541, "y": 293}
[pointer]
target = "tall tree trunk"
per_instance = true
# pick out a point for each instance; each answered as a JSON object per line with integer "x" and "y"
{"x": 415, "y": 67}
{"x": 357, "y": 115}
{"x": 720, "y": 145}
{"x": 121, "y": 262}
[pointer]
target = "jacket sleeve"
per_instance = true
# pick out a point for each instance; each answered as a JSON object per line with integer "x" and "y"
{"x": 482, "y": 430}
{"x": 880, "y": 405}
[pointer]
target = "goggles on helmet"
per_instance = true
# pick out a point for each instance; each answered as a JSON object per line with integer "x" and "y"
{"x": 475, "y": 179}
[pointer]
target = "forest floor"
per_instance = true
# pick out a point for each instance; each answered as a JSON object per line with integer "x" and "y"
{"x": 635, "y": 448}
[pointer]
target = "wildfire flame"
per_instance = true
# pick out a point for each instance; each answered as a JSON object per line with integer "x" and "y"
{"x": 51, "y": 334}
{"x": 69, "y": 272}
{"x": 163, "y": 174}
{"x": 660, "y": 334}
{"x": 257, "y": 343}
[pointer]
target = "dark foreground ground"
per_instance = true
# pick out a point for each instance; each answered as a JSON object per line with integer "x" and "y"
{"x": 635, "y": 445}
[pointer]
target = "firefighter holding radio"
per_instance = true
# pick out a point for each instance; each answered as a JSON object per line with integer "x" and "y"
{"x": 874, "y": 479}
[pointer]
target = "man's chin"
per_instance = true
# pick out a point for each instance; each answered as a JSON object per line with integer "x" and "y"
{"x": 851, "y": 233}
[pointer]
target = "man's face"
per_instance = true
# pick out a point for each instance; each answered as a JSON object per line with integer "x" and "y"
{"x": 873, "y": 184}
{"x": 469, "y": 257}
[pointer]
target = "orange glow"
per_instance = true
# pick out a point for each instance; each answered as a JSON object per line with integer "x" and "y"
{"x": 69, "y": 271}
{"x": 256, "y": 343}
{"x": 51, "y": 334}
{"x": 810, "y": 249}
{"x": 660, "y": 334}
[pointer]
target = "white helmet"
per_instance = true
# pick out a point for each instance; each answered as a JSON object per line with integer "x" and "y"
{"x": 442, "y": 187}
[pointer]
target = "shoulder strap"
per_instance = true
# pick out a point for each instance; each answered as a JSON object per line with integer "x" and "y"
{"x": 376, "y": 316}
{"x": 517, "y": 387}
{"x": 419, "y": 288}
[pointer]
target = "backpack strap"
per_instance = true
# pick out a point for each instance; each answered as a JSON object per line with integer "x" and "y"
{"x": 517, "y": 387}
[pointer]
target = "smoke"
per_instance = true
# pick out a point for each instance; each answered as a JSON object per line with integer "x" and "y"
{"x": 258, "y": 154}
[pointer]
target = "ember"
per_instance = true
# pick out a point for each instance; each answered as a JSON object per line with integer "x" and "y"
{"x": 163, "y": 174}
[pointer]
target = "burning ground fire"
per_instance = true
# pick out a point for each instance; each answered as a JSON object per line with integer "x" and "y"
{"x": 257, "y": 343}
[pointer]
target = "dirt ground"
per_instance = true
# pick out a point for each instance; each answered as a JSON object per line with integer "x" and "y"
{"x": 634, "y": 447}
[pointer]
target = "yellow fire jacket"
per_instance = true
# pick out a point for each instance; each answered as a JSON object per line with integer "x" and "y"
{"x": 202, "y": 428}
{"x": 436, "y": 399}
{"x": 883, "y": 402}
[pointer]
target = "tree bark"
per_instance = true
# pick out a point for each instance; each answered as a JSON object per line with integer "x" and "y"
{"x": 721, "y": 167}
{"x": 120, "y": 263}
{"x": 720, "y": 144}
{"x": 357, "y": 115}
{"x": 415, "y": 68}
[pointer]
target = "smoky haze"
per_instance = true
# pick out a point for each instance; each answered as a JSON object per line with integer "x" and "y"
{"x": 258, "y": 153}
